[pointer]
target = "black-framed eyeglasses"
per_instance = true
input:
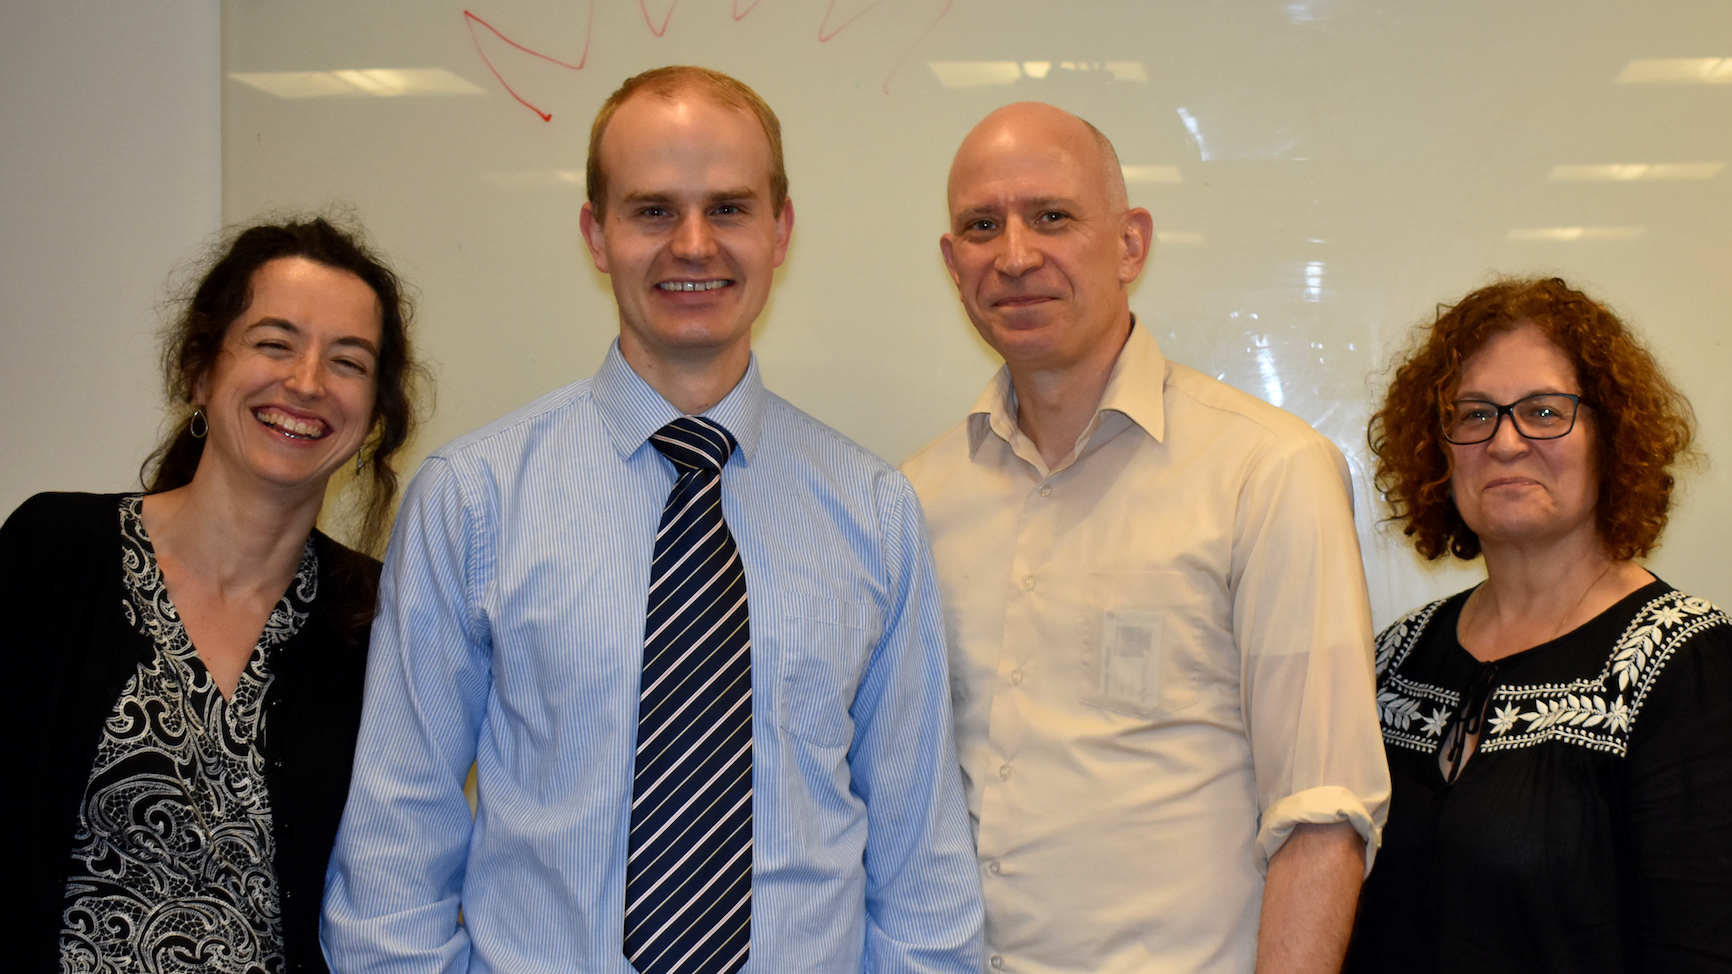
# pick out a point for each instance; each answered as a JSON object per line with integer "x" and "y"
{"x": 1543, "y": 417}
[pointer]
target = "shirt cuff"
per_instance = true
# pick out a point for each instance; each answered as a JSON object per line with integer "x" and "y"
{"x": 1323, "y": 805}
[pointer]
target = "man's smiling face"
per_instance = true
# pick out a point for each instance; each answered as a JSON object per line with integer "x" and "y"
{"x": 1039, "y": 246}
{"x": 688, "y": 231}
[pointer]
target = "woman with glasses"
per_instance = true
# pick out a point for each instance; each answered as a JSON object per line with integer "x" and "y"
{"x": 1560, "y": 736}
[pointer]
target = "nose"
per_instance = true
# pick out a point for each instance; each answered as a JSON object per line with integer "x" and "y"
{"x": 1506, "y": 441}
{"x": 1020, "y": 252}
{"x": 694, "y": 238}
{"x": 307, "y": 376}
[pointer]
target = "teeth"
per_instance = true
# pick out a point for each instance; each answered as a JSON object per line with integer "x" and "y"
{"x": 692, "y": 285}
{"x": 291, "y": 425}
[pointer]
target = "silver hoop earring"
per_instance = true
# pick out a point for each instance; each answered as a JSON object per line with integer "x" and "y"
{"x": 198, "y": 426}
{"x": 357, "y": 463}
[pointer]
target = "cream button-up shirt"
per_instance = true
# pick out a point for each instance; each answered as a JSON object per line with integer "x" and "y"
{"x": 1161, "y": 662}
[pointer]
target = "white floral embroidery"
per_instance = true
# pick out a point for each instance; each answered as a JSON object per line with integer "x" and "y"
{"x": 1596, "y": 712}
{"x": 1396, "y": 710}
{"x": 1435, "y": 724}
{"x": 1505, "y": 718}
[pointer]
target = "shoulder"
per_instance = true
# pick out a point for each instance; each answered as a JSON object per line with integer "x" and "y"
{"x": 511, "y": 432}
{"x": 805, "y": 440}
{"x": 348, "y": 587}
{"x": 63, "y": 522}
{"x": 1670, "y": 629}
{"x": 1194, "y": 398}
{"x": 337, "y": 560}
{"x": 931, "y": 467}
{"x": 1397, "y": 640}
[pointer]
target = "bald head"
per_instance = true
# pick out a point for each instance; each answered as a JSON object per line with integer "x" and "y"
{"x": 1032, "y": 128}
{"x": 1042, "y": 243}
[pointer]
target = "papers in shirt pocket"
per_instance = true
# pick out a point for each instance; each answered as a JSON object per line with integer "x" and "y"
{"x": 1137, "y": 650}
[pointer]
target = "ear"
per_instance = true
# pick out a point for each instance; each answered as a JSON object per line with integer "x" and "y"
{"x": 784, "y": 231}
{"x": 1139, "y": 234}
{"x": 593, "y": 236}
{"x": 947, "y": 247}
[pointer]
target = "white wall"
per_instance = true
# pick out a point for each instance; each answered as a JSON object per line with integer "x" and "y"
{"x": 110, "y": 176}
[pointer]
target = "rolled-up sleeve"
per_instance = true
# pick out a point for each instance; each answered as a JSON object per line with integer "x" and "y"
{"x": 1303, "y": 623}
{"x": 923, "y": 908}
{"x": 392, "y": 892}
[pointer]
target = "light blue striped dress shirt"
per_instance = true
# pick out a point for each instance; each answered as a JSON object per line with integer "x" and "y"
{"x": 511, "y": 633}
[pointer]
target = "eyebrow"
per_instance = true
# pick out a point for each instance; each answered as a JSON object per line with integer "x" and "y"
{"x": 737, "y": 193}
{"x": 1478, "y": 396}
{"x": 1035, "y": 203}
{"x": 282, "y": 324}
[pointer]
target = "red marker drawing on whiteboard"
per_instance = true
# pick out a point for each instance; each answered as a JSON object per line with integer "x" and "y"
{"x": 825, "y": 35}
{"x": 470, "y": 20}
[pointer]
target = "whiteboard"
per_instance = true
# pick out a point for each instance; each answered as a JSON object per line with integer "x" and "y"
{"x": 1321, "y": 174}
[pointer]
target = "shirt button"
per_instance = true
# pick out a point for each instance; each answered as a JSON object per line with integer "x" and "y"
{"x": 992, "y": 867}
{"x": 997, "y": 962}
{"x": 1028, "y": 583}
{"x": 1016, "y": 677}
{"x": 1045, "y": 490}
{"x": 1004, "y": 771}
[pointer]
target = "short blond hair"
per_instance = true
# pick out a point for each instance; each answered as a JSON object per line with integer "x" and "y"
{"x": 668, "y": 83}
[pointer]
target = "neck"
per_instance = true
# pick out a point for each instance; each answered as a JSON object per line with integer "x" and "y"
{"x": 236, "y": 537}
{"x": 691, "y": 381}
{"x": 1054, "y": 404}
{"x": 1534, "y": 593}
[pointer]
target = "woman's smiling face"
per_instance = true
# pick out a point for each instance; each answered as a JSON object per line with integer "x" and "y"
{"x": 290, "y": 397}
{"x": 1510, "y": 489}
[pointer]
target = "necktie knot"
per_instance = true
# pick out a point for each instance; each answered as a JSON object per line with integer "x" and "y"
{"x": 694, "y": 443}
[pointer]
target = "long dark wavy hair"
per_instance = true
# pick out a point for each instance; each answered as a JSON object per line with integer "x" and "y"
{"x": 194, "y": 338}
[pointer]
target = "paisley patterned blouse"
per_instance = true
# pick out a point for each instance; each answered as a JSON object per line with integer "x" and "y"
{"x": 172, "y": 857}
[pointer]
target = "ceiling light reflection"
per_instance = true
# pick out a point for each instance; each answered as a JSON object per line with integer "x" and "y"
{"x": 1635, "y": 171}
{"x": 380, "y": 82}
{"x": 1565, "y": 234}
{"x": 536, "y": 178}
{"x": 980, "y": 74}
{"x": 1152, "y": 174}
{"x": 1676, "y": 71}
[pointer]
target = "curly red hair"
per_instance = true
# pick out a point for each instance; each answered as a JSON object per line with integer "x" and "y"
{"x": 1642, "y": 422}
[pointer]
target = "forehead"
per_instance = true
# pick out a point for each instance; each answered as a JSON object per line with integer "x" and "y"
{"x": 1015, "y": 162}
{"x": 687, "y": 142}
{"x": 1521, "y": 355}
{"x": 309, "y": 294}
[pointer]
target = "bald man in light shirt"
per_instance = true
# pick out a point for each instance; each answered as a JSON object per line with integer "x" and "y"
{"x": 1158, "y": 630}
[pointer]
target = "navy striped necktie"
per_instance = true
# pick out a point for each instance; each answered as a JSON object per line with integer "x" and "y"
{"x": 688, "y": 878}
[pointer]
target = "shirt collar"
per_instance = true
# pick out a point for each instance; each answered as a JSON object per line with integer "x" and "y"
{"x": 1135, "y": 388}
{"x": 631, "y": 410}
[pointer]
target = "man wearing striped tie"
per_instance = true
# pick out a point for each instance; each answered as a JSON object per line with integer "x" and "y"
{"x": 688, "y": 636}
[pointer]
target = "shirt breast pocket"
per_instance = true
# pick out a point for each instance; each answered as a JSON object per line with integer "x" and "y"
{"x": 1141, "y": 641}
{"x": 825, "y": 645}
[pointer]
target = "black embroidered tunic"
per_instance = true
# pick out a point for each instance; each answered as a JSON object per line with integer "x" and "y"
{"x": 1591, "y": 830}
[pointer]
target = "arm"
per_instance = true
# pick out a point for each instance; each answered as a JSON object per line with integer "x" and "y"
{"x": 1302, "y": 621}
{"x": 923, "y": 908}
{"x": 1308, "y": 900}
{"x": 393, "y": 890}
{"x": 1678, "y": 809}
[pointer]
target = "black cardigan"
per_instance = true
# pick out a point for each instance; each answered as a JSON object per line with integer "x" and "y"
{"x": 69, "y": 653}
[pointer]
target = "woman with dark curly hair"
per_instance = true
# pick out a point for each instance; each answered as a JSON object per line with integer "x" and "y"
{"x": 187, "y": 662}
{"x": 1560, "y": 736}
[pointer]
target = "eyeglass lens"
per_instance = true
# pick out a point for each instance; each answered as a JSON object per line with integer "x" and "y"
{"x": 1543, "y": 417}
